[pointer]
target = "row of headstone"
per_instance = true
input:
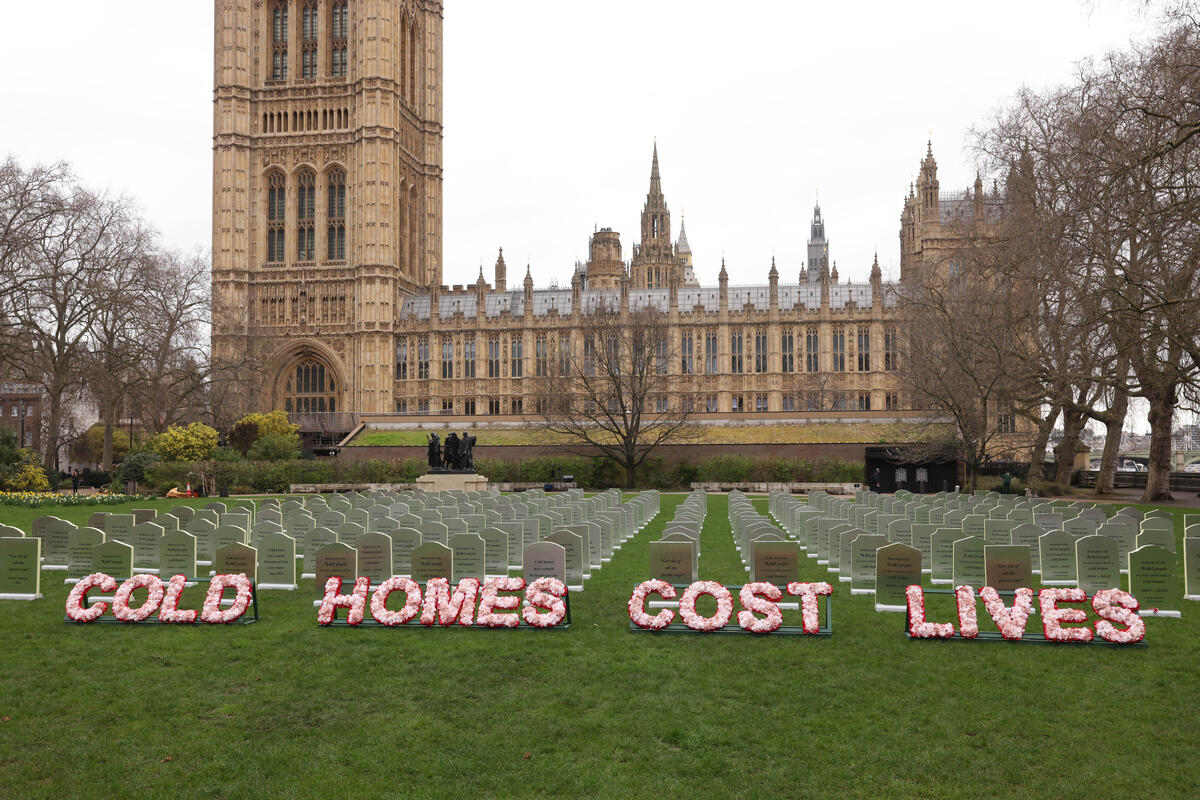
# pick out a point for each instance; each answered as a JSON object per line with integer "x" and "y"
{"x": 766, "y": 551}
{"x": 858, "y": 539}
{"x": 675, "y": 557}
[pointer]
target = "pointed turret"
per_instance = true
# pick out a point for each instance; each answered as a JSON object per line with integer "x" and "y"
{"x": 501, "y": 280}
{"x": 654, "y": 257}
{"x": 773, "y": 285}
{"x": 876, "y": 274}
{"x": 833, "y": 276}
{"x": 818, "y": 246}
{"x": 682, "y": 247}
{"x": 655, "y": 178}
{"x": 927, "y": 183}
{"x": 723, "y": 287}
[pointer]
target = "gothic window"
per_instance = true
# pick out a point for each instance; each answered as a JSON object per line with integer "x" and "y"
{"x": 279, "y": 41}
{"x": 760, "y": 402}
{"x": 689, "y": 404}
{"x": 339, "y": 33}
{"x": 812, "y": 350}
{"x": 516, "y": 369}
{"x": 493, "y": 406}
{"x": 412, "y": 61}
{"x": 789, "y": 402}
{"x": 890, "y": 356}
{"x": 402, "y": 360}
{"x": 336, "y": 217}
{"x": 541, "y": 357}
{"x": 423, "y": 360}
{"x": 891, "y": 401}
{"x": 447, "y": 406}
{"x": 864, "y": 349}
{"x": 468, "y": 367}
{"x": 306, "y": 235}
{"x": 310, "y": 388}
{"x": 687, "y": 367}
{"x": 760, "y": 351}
{"x": 276, "y": 216}
{"x": 864, "y": 401}
{"x": 589, "y": 356}
{"x": 710, "y": 404}
{"x": 710, "y": 353}
{"x": 493, "y": 356}
{"x": 839, "y": 350}
{"x": 736, "y": 404}
{"x": 310, "y": 29}
{"x": 813, "y": 401}
{"x": 447, "y": 358}
{"x": 735, "y": 353}
{"x": 401, "y": 406}
{"x": 564, "y": 355}
{"x": 787, "y": 349}
{"x": 660, "y": 404}
{"x": 660, "y": 366}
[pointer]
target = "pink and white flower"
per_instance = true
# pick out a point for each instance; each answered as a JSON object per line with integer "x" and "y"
{"x": 687, "y": 606}
{"x": 762, "y": 598}
{"x": 120, "y": 605}
{"x": 442, "y": 608}
{"x": 212, "y": 612}
{"x": 918, "y": 628}
{"x": 637, "y": 605}
{"x": 1010, "y": 621}
{"x": 545, "y": 594}
{"x": 97, "y": 580}
{"x": 1053, "y": 616}
{"x": 379, "y": 609}
{"x": 491, "y": 600}
{"x": 810, "y": 609}
{"x": 169, "y": 611}
{"x": 968, "y": 621}
{"x": 1116, "y": 606}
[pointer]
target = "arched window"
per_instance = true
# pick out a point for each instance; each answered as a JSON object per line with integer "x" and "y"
{"x": 279, "y": 41}
{"x": 276, "y": 216}
{"x": 310, "y": 387}
{"x": 306, "y": 210}
{"x": 336, "y": 217}
{"x": 339, "y": 35}
{"x": 310, "y": 29}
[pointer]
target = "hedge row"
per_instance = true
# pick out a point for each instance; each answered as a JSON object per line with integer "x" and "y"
{"x": 274, "y": 476}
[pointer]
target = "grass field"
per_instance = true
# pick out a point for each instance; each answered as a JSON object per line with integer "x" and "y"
{"x": 284, "y": 708}
{"x": 703, "y": 434}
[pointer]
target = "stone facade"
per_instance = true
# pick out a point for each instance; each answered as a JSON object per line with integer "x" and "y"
{"x": 327, "y": 190}
{"x": 327, "y": 245}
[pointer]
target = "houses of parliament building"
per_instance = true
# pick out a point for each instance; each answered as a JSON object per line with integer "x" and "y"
{"x": 327, "y": 240}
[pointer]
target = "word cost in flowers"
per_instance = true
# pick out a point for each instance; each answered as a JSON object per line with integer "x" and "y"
{"x": 161, "y": 597}
{"x": 543, "y": 604}
{"x": 1119, "y": 622}
{"x": 759, "y": 598}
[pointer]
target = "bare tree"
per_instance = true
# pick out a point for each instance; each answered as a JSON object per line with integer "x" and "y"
{"x": 615, "y": 394}
{"x": 59, "y": 277}
{"x": 962, "y": 353}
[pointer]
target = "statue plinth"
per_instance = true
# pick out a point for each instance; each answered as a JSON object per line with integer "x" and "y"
{"x": 449, "y": 481}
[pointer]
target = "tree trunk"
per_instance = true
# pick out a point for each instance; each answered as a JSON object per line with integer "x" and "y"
{"x": 629, "y": 469}
{"x": 53, "y": 427}
{"x": 1162, "y": 412}
{"x": 106, "y": 457}
{"x": 1037, "y": 457}
{"x": 1114, "y": 425}
{"x": 1064, "y": 454}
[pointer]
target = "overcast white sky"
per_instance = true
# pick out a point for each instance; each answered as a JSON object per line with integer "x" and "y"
{"x": 551, "y": 108}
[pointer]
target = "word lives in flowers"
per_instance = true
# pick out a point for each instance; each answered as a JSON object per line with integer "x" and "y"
{"x": 1062, "y": 612}
{"x": 762, "y": 608}
{"x": 161, "y": 603}
{"x": 497, "y": 603}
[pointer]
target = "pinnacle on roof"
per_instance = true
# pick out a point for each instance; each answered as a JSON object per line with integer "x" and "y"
{"x": 724, "y": 275}
{"x": 654, "y": 176}
{"x": 774, "y": 272}
{"x": 683, "y": 242}
{"x": 875, "y": 272}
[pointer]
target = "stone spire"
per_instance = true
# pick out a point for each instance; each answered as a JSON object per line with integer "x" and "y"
{"x": 655, "y": 179}
{"x": 501, "y": 273}
{"x": 682, "y": 247}
{"x": 818, "y": 246}
{"x": 833, "y": 276}
{"x": 876, "y": 275}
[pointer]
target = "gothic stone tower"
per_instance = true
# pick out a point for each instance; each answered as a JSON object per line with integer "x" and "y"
{"x": 655, "y": 264}
{"x": 327, "y": 190}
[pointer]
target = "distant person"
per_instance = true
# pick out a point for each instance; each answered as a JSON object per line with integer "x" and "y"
{"x": 1006, "y": 483}
{"x": 876, "y": 480}
{"x": 75, "y": 481}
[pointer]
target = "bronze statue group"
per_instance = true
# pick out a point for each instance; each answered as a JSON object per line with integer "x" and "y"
{"x": 455, "y": 455}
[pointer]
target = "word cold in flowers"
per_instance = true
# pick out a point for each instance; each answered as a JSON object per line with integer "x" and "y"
{"x": 1119, "y": 621}
{"x": 161, "y": 597}
{"x": 760, "y": 598}
{"x": 544, "y": 603}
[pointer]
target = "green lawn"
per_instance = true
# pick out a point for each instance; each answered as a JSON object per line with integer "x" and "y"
{"x": 284, "y": 708}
